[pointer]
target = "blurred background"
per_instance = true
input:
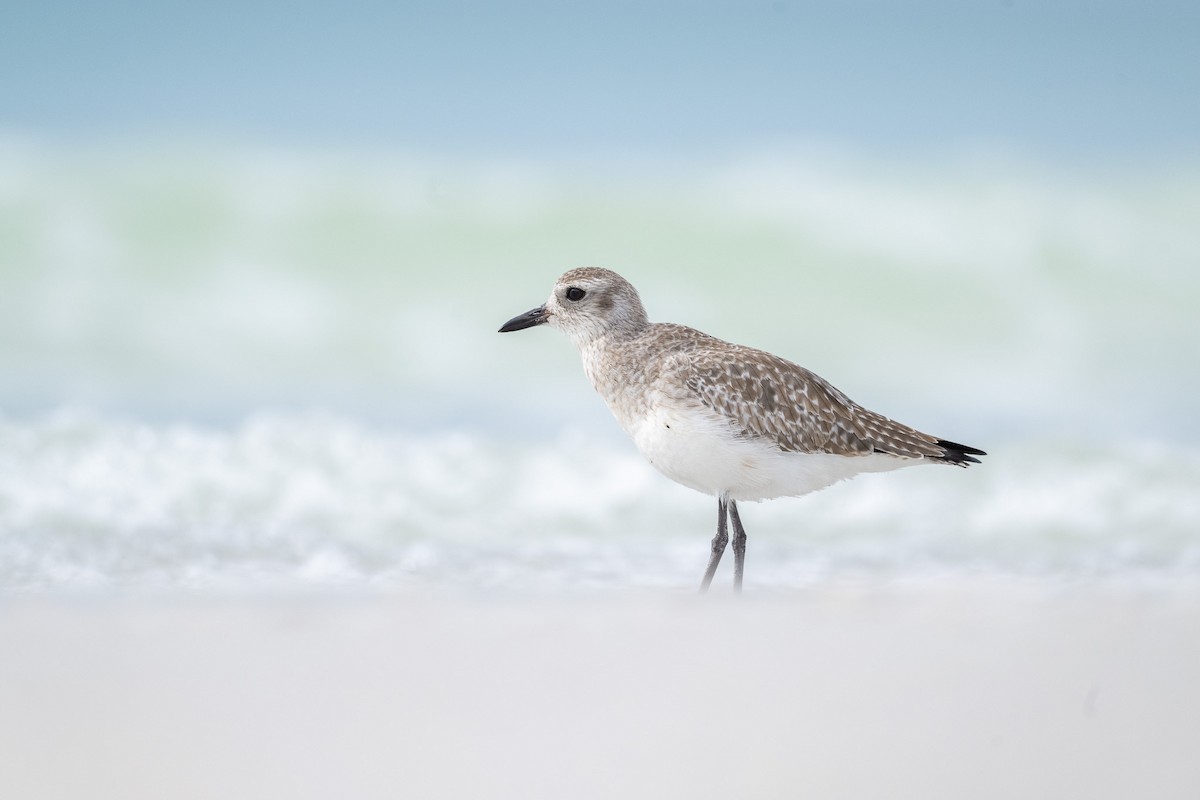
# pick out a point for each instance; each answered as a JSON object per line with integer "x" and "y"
{"x": 253, "y": 257}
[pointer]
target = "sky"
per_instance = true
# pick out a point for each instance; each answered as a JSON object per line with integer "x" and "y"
{"x": 1060, "y": 79}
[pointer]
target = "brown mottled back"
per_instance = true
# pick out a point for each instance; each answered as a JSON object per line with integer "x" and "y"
{"x": 768, "y": 397}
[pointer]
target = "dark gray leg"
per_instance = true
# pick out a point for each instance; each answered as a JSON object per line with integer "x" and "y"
{"x": 718, "y": 545}
{"x": 739, "y": 547}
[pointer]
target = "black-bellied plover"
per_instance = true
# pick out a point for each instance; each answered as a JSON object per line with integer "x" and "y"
{"x": 720, "y": 418}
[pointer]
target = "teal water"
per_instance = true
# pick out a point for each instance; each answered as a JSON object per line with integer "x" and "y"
{"x": 1009, "y": 296}
{"x": 238, "y": 366}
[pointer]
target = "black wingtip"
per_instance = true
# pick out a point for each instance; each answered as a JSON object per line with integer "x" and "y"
{"x": 960, "y": 453}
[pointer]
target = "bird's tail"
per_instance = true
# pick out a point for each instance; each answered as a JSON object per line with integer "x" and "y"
{"x": 960, "y": 454}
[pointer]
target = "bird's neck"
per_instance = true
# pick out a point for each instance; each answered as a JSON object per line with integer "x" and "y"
{"x": 604, "y": 361}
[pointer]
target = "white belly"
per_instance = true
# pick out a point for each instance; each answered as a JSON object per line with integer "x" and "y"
{"x": 699, "y": 450}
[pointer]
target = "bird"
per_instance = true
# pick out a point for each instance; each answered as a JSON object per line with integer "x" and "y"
{"x": 727, "y": 420}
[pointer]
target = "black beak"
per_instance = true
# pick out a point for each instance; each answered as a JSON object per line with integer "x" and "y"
{"x": 526, "y": 320}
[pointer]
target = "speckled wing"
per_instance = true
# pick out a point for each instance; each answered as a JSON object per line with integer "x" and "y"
{"x": 767, "y": 397}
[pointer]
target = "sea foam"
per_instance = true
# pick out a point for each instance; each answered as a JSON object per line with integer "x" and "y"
{"x": 296, "y": 501}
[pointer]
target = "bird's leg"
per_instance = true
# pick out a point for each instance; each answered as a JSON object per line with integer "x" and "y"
{"x": 739, "y": 546}
{"x": 718, "y": 545}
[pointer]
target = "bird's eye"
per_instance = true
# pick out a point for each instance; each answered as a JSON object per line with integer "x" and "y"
{"x": 575, "y": 293}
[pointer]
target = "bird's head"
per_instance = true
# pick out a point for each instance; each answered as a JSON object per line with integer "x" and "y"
{"x": 587, "y": 303}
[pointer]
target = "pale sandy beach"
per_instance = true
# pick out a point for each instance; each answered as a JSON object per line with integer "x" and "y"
{"x": 951, "y": 690}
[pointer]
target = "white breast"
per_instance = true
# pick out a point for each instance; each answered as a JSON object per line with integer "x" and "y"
{"x": 699, "y": 449}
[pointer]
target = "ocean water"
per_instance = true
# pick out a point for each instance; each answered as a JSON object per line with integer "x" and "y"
{"x": 243, "y": 369}
{"x": 317, "y": 501}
